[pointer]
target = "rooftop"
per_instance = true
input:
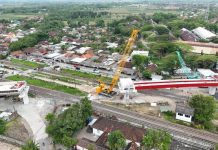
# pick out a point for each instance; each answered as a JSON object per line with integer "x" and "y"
{"x": 203, "y": 33}
{"x": 85, "y": 143}
{"x": 130, "y": 132}
{"x": 181, "y": 108}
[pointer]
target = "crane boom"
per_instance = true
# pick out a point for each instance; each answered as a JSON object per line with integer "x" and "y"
{"x": 123, "y": 60}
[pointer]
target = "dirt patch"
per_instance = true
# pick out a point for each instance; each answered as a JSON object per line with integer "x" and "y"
{"x": 17, "y": 130}
{"x": 143, "y": 108}
{"x": 6, "y": 146}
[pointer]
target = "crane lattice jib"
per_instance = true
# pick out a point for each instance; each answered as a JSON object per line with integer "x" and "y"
{"x": 123, "y": 60}
{"x": 185, "y": 69}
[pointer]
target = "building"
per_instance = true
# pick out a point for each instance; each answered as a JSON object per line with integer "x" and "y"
{"x": 143, "y": 53}
{"x": 206, "y": 73}
{"x": 19, "y": 89}
{"x": 104, "y": 125}
{"x": 203, "y": 33}
{"x": 187, "y": 35}
{"x": 84, "y": 144}
{"x": 184, "y": 113}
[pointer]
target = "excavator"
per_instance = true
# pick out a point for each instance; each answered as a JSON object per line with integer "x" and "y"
{"x": 102, "y": 89}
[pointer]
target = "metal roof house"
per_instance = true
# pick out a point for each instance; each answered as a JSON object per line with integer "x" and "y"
{"x": 203, "y": 33}
{"x": 184, "y": 113}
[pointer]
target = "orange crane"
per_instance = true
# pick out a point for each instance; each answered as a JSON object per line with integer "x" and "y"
{"x": 127, "y": 51}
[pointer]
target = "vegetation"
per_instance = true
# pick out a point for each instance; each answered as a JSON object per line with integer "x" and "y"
{"x": 85, "y": 75}
{"x": 27, "y": 63}
{"x": 48, "y": 85}
{"x": 140, "y": 62}
{"x": 204, "y": 109}
{"x": 30, "y": 145}
{"x": 146, "y": 74}
{"x": 116, "y": 140}
{"x": 156, "y": 139}
{"x": 2, "y": 126}
{"x": 63, "y": 127}
{"x": 28, "y": 41}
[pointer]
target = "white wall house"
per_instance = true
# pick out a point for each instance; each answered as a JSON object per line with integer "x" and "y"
{"x": 184, "y": 113}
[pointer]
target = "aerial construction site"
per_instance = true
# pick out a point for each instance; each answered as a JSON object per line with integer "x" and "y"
{"x": 109, "y": 76}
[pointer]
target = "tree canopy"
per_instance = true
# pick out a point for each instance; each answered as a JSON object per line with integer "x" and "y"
{"x": 139, "y": 61}
{"x": 116, "y": 140}
{"x": 63, "y": 127}
{"x": 204, "y": 108}
{"x": 156, "y": 139}
{"x": 28, "y": 41}
{"x": 2, "y": 126}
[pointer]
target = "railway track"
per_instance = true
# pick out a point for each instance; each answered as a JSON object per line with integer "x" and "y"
{"x": 195, "y": 137}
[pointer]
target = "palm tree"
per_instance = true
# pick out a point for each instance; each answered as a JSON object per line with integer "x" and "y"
{"x": 30, "y": 145}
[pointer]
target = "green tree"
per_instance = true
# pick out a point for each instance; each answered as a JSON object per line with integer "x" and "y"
{"x": 160, "y": 29}
{"x": 116, "y": 140}
{"x": 100, "y": 23}
{"x": 91, "y": 147}
{"x": 139, "y": 61}
{"x": 68, "y": 141}
{"x": 156, "y": 139}
{"x": 63, "y": 128}
{"x": 86, "y": 108}
{"x": 163, "y": 48}
{"x": 204, "y": 108}
{"x": 50, "y": 117}
{"x": 169, "y": 63}
{"x": 30, "y": 145}
{"x": 206, "y": 61}
{"x": 146, "y": 74}
{"x": 2, "y": 126}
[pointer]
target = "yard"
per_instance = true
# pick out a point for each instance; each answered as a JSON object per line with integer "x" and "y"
{"x": 48, "y": 85}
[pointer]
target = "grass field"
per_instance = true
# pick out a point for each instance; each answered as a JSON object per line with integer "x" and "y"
{"x": 48, "y": 85}
{"x": 12, "y": 16}
{"x": 28, "y": 64}
{"x": 85, "y": 75}
{"x": 64, "y": 79}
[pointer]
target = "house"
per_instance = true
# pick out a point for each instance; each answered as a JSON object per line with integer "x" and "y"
{"x": 18, "y": 54}
{"x": 84, "y": 144}
{"x": 142, "y": 53}
{"x": 206, "y": 73}
{"x": 131, "y": 133}
{"x": 184, "y": 113}
{"x": 111, "y": 45}
{"x": 203, "y": 33}
{"x": 187, "y": 35}
{"x": 84, "y": 50}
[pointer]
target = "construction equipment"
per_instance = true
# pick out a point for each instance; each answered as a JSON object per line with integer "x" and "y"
{"x": 101, "y": 89}
{"x": 187, "y": 71}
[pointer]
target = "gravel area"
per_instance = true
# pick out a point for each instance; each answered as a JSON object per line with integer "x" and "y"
{"x": 6, "y": 146}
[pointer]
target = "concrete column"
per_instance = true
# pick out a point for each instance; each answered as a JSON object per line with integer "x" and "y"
{"x": 24, "y": 95}
{"x": 212, "y": 90}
